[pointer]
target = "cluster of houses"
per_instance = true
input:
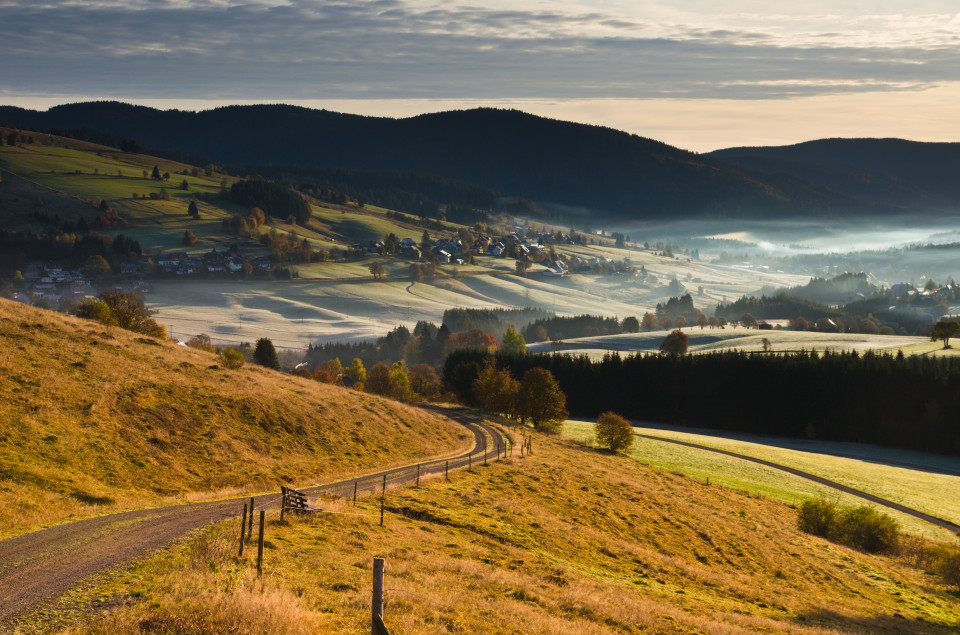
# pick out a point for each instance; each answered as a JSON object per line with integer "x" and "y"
{"x": 52, "y": 285}
{"x": 184, "y": 264}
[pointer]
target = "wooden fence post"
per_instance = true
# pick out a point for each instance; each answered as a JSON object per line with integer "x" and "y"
{"x": 484, "y": 455}
{"x": 283, "y": 503}
{"x": 354, "y": 493}
{"x": 243, "y": 527}
{"x": 260, "y": 546}
{"x": 470, "y": 462}
{"x": 377, "y": 605}
{"x": 446, "y": 470}
{"x": 418, "y": 475}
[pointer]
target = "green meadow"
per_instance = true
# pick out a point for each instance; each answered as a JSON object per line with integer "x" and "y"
{"x": 923, "y": 486}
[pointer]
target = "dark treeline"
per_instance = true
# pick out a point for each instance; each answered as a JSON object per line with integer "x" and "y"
{"x": 274, "y": 199}
{"x": 420, "y": 195}
{"x": 493, "y": 321}
{"x": 558, "y": 327}
{"x": 679, "y": 307}
{"x": 908, "y": 403}
{"x": 776, "y": 307}
{"x": 424, "y": 346}
{"x": 17, "y": 248}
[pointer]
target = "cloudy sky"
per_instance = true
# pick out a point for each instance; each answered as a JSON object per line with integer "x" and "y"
{"x": 699, "y": 74}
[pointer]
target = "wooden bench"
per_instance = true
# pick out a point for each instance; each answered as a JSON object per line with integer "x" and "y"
{"x": 296, "y": 501}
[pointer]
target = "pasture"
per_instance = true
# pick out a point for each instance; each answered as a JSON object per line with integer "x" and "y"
{"x": 880, "y": 471}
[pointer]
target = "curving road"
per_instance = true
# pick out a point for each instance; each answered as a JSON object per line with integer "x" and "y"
{"x": 939, "y": 522}
{"x": 42, "y": 565}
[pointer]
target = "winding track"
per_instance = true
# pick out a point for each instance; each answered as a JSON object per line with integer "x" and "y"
{"x": 42, "y": 565}
{"x": 939, "y": 522}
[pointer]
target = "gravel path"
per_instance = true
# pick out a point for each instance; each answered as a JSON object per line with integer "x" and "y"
{"x": 42, "y": 565}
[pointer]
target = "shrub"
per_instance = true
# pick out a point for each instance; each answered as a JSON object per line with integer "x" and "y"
{"x": 950, "y": 567}
{"x": 866, "y": 529}
{"x": 614, "y": 432}
{"x": 862, "y": 527}
{"x": 818, "y": 517}
{"x": 232, "y": 358}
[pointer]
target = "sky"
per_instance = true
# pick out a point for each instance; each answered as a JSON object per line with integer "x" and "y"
{"x": 698, "y": 74}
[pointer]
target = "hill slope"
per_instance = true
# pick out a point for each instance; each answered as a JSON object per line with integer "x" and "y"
{"x": 519, "y": 154}
{"x": 568, "y": 540}
{"x": 94, "y": 418}
{"x": 891, "y": 172}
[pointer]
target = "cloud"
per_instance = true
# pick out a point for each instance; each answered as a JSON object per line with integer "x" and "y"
{"x": 300, "y": 49}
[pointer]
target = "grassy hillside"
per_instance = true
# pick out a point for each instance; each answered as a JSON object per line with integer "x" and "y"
{"x": 94, "y": 419}
{"x": 569, "y": 540}
{"x": 930, "y": 484}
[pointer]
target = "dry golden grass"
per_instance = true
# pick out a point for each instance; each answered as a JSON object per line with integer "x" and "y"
{"x": 570, "y": 540}
{"x": 94, "y": 419}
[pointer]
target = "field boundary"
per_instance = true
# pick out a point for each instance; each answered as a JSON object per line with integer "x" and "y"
{"x": 939, "y": 522}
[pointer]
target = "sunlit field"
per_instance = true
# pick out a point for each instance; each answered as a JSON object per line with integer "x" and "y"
{"x": 923, "y": 486}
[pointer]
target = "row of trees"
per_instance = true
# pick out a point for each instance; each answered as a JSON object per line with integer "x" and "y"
{"x": 536, "y": 397}
{"x": 871, "y": 398}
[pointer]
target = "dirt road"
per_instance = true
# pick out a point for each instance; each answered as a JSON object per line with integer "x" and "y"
{"x": 42, "y": 565}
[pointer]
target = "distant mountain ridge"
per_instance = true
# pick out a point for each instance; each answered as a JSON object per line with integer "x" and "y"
{"x": 890, "y": 172}
{"x": 506, "y": 151}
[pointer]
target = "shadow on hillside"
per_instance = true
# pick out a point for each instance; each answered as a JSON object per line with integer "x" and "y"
{"x": 894, "y": 623}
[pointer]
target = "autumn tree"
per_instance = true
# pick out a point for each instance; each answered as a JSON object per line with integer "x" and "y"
{"x": 944, "y": 330}
{"x": 356, "y": 372}
{"x": 649, "y": 321}
{"x": 377, "y": 270}
{"x": 540, "y": 400}
{"x": 513, "y": 342}
{"x": 495, "y": 390}
{"x": 400, "y": 383}
{"x": 335, "y": 369}
{"x": 189, "y": 238}
{"x": 614, "y": 432}
{"x": 675, "y": 343}
{"x": 425, "y": 381}
{"x": 97, "y": 266}
{"x": 379, "y": 379}
{"x": 748, "y": 321}
{"x": 124, "y": 309}
{"x": 265, "y": 354}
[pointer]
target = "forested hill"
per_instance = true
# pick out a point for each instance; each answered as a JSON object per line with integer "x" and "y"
{"x": 894, "y": 172}
{"x": 513, "y": 153}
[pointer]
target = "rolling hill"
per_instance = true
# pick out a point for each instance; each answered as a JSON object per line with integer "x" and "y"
{"x": 892, "y": 172}
{"x": 96, "y": 419}
{"x": 504, "y": 151}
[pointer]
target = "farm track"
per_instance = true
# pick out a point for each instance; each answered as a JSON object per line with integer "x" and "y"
{"x": 939, "y": 522}
{"x": 40, "y": 566}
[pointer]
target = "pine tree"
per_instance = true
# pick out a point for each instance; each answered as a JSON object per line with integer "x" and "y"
{"x": 265, "y": 354}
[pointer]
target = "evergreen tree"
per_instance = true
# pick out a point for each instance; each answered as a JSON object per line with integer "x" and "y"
{"x": 265, "y": 354}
